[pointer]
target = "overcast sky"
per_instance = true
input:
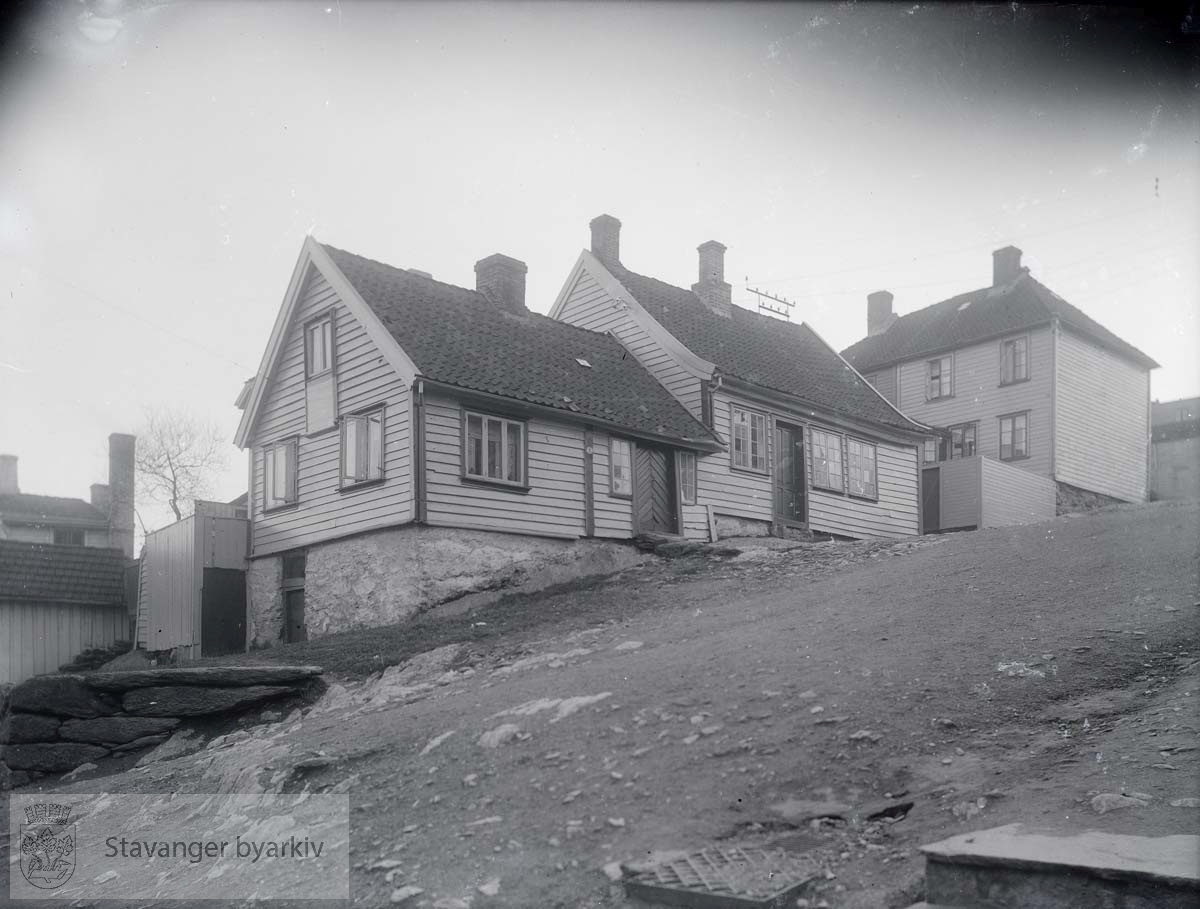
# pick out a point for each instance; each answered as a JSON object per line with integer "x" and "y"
{"x": 160, "y": 165}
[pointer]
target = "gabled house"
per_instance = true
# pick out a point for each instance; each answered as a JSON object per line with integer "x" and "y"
{"x": 1015, "y": 373}
{"x": 1175, "y": 449}
{"x": 104, "y": 522}
{"x": 809, "y": 443}
{"x": 409, "y": 437}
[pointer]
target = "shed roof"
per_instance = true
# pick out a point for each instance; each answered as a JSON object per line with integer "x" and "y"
{"x": 60, "y": 574}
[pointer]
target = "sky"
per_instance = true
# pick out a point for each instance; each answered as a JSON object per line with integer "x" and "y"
{"x": 161, "y": 164}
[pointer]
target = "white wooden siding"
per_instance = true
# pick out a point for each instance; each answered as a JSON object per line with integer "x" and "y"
{"x": 38, "y": 637}
{"x": 1013, "y": 496}
{"x": 613, "y": 514}
{"x": 1103, "y": 413}
{"x": 364, "y": 378}
{"x": 589, "y": 306}
{"x": 978, "y": 396}
{"x": 885, "y": 383}
{"x": 737, "y": 493}
{"x": 894, "y": 514}
{"x": 554, "y": 504}
{"x": 958, "y": 493}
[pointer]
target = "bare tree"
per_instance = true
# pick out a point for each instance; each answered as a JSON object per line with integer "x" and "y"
{"x": 178, "y": 455}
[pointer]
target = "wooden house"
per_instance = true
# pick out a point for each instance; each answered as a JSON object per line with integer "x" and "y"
{"x": 808, "y": 443}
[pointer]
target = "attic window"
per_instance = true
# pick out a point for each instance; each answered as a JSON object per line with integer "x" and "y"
{"x": 962, "y": 306}
{"x": 582, "y": 362}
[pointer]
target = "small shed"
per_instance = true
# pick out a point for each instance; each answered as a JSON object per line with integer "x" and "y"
{"x": 970, "y": 493}
{"x": 192, "y": 591}
{"x": 55, "y": 602}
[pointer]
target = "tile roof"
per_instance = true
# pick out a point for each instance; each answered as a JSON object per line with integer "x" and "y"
{"x": 976, "y": 316}
{"x": 43, "y": 571}
{"x": 779, "y": 355}
{"x": 457, "y": 337}
{"x": 50, "y": 510}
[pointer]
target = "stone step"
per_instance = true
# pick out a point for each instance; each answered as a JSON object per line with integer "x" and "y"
{"x": 1015, "y": 867}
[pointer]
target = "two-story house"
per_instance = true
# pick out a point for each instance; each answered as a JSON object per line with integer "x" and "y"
{"x": 809, "y": 443}
{"x": 409, "y": 437}
{"x": 104, "y": 522}
{"x": 1015, "y": 373}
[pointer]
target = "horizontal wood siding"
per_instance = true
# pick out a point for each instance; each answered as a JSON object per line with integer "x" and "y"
{"x": 554, "y": 504}
{"x": 894, "y": 514}
{"x": 589, "y": 306}
{"x": 614, "y": 515}
{"x": 695, "y": 522}
{"x": 959, "y": 491}
{"x": 737, "y": 493}
{"x": 364, "y": 379}
{"x": 885, "y": 383}
{"x": 1014, "y": 496}
{"x": 172, "y": 587}
{"x": 1103, "y": 413}
{"x": 979, "y": 396}
{"x": 38, "y": 637}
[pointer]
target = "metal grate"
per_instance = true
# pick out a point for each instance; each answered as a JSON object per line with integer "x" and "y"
{"x": 716, "y": 878}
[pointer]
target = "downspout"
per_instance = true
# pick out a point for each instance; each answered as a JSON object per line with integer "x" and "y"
{"x": 589, "y": 493}
{"x": 1053, "y": 399}
{"x": 419, "y": 450}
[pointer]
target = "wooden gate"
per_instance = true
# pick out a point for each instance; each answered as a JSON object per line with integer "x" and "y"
{"x": 654, "y": 490}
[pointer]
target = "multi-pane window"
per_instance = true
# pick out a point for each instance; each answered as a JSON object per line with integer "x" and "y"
{"x": 749, "y": 439}
{"x": 1014, "y": 360}
{"x": 362, "y": 447}
{"x": 826, "y": 457}
{"x": 68, "y": 537}
{"x": 318, "y": 339}
{"x": 963, "y": 440}
{"x": 941, "y": 378}
{"x": 279, "y": 474}
{"x": 687, "y": 477}
{"x": 860, "y": 469}
{"x": 620, "y": 467}
{"x": 495, "y": 449}
{"x": 930, "y": 453}
{"x": 1014, "y": 436}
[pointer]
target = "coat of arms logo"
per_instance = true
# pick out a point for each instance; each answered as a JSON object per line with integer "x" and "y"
{"x": 47, "y": 846}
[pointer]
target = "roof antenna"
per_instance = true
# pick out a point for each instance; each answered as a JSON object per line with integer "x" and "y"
{"x": 773, "y": 306}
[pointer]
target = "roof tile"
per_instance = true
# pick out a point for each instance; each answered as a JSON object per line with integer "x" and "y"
{"x": 42, "y": 571}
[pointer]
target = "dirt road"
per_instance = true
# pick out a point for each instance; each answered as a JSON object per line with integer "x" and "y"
{"x": 946, "y": 684}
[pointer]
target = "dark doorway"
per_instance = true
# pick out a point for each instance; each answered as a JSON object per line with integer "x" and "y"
{"x": 789, "y": 475}
{"x": 222, "y": 611}
{"x": 294, "y": 628}
{"x": 654, "y": 490}
{"x": 931, "y": 499}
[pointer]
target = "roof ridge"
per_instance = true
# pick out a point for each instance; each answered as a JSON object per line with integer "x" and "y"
{"x": 404, "y": 272}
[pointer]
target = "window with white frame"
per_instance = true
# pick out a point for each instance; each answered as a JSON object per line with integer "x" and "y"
{"x": 826, "y": 456}
{"x": 620, "y": 467}
{"x": 362, "y": 447}
{"x": 318, "y": 339}
{"x": 687, "y": 477}
{"x": 279, "y": 474}
{"x": 941, "y": 378}
{"x": 1014, "y": 360}
{"x": 494, "y": 449}
{"x": 930, "y": 455}
{"x": 1014, "y": 436}
{"x": 860, "y": 469}
{"x": 963, "y": 440}
{"x": 749, "y": 434}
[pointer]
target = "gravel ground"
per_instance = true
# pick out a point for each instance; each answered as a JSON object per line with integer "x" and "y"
{"x": 853, "y": 700}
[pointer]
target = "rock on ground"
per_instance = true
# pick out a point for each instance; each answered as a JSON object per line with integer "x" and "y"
{"x": 185, "y": 741}
{"x": 57, "y": 757}
{"x": 61, "y": 695}
{"x": 115, "y": 730}
{"x": 16, "y": 728}
{"x": 213, "y": 676}
{"x": 197, "y": 701}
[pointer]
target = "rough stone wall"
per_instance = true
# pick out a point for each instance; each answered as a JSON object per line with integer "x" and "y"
{"x": 1072, "y": 499}
{"x": 730, "y": 526}
{"x": 264, "y": 600}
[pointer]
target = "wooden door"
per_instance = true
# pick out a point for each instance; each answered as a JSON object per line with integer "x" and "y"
{"x": 931, "y": 499}
{"x": 790, "y": 478}
{"x": 654, "y": 490}
{"x": 294, "y": 628}
{"x": 222, "y": 611}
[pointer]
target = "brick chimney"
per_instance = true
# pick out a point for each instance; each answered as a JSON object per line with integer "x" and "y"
{"x": 121, "y": 449}
{"x": 1006, "y": 265}
{"x": 501, "y": 279}
{"x": 712, "y": 288}
{"x": 606, "y": 239}
{"x": 8, "y": 475}
{"x": 879, "y": 312}
{"x": 102, "y": 497}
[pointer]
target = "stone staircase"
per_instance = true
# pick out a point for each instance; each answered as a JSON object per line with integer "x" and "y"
{"x": 1013, "y": 867}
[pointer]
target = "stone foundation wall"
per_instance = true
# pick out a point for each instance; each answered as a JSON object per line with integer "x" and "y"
{"x": 730, "y": 526}
{"x": 1072, "y": 499}
{"x": 385, "y": 577}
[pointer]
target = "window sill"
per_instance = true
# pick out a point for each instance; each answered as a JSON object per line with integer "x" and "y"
{"x": 627, "y": 496}
{"x": 317, "y": 433}
{"x": 874, "y": 499}
{"x": 276, "y": 509}
{"x": 817, "y": 487}
{"x": 750, "y": 470}
{"x": 363, "y": 484}
{"x": 500, "y": 485}
{"x": 942, "y": 398}
{"x": 1014, "y": 382}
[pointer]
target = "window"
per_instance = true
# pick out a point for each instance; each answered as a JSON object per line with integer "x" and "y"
{"x": 749, "y": 439}
{"x": 930, "y": 453}
{"x": 826, "y": 459}
{"x": 68, "y": 537}
{"x": 1014, "y": 436}
{"x": 620, "y": 468}
{"x": 963, "y": 440}
{"x": 941, "y": 378}
{"x": 706, "y": 404}
{"x": 279, "y": 475}
{"x": 362, "y": 447}
{"x": 687, "y": 477}
{"x": 1014, "y": 360}
{"x": 860, "y": 469}
{"x": 494, "y": 450}
{"x": 318, "y": 349}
